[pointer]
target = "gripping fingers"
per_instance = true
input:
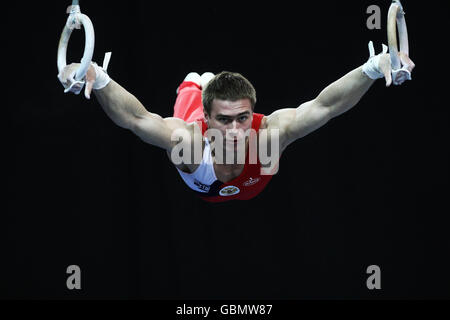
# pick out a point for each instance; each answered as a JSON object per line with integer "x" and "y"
{"x": 75, "y": 87}
{"x": 67, "y": 79}
{"x": 385, "y": 67}
{"x": 88, "y": 89}
{"x": 401, "y": 76}
{"x": 406, "y": 61}
{"x": 388, "y": 78}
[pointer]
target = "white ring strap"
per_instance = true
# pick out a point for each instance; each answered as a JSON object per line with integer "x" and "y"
{"x": 75, "y": 20}
{"x": 396, "y": 19}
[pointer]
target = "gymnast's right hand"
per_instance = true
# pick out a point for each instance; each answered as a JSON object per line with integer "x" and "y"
{"x": 96, "y": 78}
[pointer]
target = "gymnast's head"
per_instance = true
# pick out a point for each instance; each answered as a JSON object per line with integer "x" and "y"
{"x": 228, "y": 102}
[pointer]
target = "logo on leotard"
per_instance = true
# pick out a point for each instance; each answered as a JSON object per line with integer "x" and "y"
{"x": 201, "y": 186}
{"x": 251, "y": 182}
{"x": 229, "y": 191}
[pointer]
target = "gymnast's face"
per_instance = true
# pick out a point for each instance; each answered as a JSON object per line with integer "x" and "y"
{"x": 232, "y": 119}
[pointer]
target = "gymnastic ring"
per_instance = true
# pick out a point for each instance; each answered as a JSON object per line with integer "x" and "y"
{"x": 76, "y": 18}
{"x": 396, "y": 19}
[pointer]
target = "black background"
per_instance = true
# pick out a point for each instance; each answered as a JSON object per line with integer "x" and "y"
{"x": 369, "y": 188}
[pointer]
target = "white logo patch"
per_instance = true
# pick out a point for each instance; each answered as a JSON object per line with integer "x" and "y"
{"x": 229, "y": 191}
{"x": 251, "y": 182}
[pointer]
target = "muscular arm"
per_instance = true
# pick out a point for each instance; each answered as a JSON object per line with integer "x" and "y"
{"x": 126, "y": 111}
{"x": 121, "y": 106}
{"x": 335, "y": 99}
{"x": 345, "y": 93}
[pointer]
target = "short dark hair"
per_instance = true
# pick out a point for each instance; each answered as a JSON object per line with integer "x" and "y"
{"x": 228, "y": 86}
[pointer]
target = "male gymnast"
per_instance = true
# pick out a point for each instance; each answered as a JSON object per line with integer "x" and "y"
{"x": 224, "y": 103}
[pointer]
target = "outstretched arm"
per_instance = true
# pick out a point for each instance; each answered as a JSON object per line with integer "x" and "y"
{"x": 345, "y": 93}
{"x": 335, "y": 99}
{"x": 127, "y": 111}
{"x": 121, "y": 106}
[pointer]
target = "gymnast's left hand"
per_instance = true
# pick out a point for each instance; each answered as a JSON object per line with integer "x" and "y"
{"x": 385, "y": 67}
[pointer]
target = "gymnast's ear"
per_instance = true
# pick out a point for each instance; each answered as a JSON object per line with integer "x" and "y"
{"x": 206, "y": 116}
